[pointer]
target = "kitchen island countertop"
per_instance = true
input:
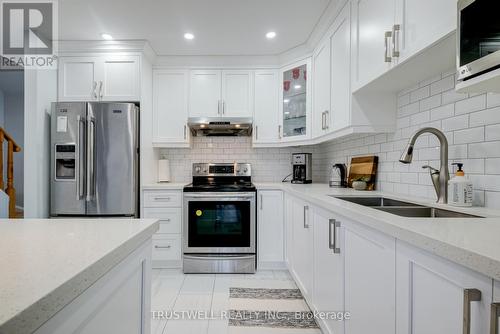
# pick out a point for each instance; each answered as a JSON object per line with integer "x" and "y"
{"x": 46, "y": 263}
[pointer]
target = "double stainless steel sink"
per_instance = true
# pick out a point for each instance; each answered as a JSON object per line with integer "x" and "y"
{"x": 404, "y": 209}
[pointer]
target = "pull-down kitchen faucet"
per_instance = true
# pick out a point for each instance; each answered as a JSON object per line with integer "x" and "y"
{"x": 439, "y": 177}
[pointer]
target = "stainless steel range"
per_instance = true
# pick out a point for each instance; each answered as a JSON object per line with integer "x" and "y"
{"x": 220, "y": 219}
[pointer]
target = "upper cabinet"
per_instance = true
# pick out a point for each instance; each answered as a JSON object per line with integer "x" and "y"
{"x": 295, "y": 102}
{"x": 221, "y": 93}
{"x": 170, "y": 108}
{"x": 266, "y": 117}
{"x": 331, "y": 78}
{"x": 371, "y": 39}
{"x": 420, "y": 23}
{"x": 388, "y": 32}
{"x": 99, "y": 78}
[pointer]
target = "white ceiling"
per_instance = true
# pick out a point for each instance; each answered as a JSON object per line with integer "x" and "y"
{"x": 221, "y": 27}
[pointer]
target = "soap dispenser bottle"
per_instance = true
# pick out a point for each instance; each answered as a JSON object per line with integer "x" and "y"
{"x": 460, "y": 191}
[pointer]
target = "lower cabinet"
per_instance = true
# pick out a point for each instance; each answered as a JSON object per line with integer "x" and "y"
{"x": 328, "y": 287}
{"x": 436, "y": 296}
{"x": 270, "y": 233}
{"x": 166, "y": 206}
{"x": 118, "y": 302}
{"x": 369, "y": 278}
{"x": 302, "y": 250}
{"x": 495, "y": 309}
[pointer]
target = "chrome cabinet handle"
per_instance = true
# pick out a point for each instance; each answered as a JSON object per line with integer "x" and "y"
{"x": 279, "y": 131}
{"x": 163, "y": 247}
{"x": 495, "y": 314}
{"x": 94, "y": 90}
{"x": 218, "y": 107}
{"x": 323, "y": 120}
{"x": 470, "y": 295}
{"x": 306, "y": 209}
{"x": 395, "y": 40}
{"x": 223, "y": 107}
{"x": 261, "y": 200}
{"x": 185, "y": 132}
{"x": 256, "y": 132}
{"x": 162, "y": 198}
{"x": 100, "y": 89}
{"x": 327, "y": 119}
{"x": 166, "y": 220}
{"x": 331, "y": 234}
{"x": 387, "y": 58}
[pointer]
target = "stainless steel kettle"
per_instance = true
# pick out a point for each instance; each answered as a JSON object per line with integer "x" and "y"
{"x": 338, "y": 176}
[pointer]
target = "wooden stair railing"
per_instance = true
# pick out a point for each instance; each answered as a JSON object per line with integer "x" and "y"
{"x": 10, "y": 190}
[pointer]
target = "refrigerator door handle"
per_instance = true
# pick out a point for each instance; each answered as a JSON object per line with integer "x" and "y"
{"x": 80, "y": 177}
{"x": 90, "y": 159}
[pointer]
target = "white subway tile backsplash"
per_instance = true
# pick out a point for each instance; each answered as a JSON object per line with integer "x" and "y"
{"x": 472, "y": 104}
{"x": 471, "y": 124}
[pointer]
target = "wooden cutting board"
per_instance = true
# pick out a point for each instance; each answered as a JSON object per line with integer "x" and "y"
{"x": 363, "y": 167}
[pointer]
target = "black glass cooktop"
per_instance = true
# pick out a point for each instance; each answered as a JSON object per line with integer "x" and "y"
{"x": 219, "y": 187}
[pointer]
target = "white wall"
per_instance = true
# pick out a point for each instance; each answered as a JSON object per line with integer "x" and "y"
{"x": 471, "y": 123}
{"x": 14, "y": 124}
{"x": 40, "y": 90}
{"x": 268, "y": 164}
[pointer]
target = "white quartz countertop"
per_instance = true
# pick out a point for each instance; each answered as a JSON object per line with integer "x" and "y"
{"x": 46, "y": 263}
{"x": 471, "y": 242}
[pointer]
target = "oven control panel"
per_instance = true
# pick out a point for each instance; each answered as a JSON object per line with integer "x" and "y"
{"x": 212, "y": 169}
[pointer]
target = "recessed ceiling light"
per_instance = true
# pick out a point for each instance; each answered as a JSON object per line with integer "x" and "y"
{"x": 188, "y": 35}
{"x": 270, "y": 35}
{"x": 297, "y": 86}
{"x": 106, "y": 37}
{"x": 286, "y": 100}
{"x": 287, "y": 113}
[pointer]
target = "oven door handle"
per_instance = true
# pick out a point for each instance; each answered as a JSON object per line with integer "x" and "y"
{"x": 236, "y": 257}
{"x": 219, "y": 196}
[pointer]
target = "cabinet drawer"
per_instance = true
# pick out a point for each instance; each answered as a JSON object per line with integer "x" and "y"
{"x": 170, "y": 219}
{"x": 167, "y": 248}
{"x": 164, "y": 199}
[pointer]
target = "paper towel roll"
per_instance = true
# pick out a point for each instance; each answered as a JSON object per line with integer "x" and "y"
{"x": 163, "y": 170}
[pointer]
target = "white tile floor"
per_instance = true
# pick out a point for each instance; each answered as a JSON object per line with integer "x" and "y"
{"x": 173, "y": 290}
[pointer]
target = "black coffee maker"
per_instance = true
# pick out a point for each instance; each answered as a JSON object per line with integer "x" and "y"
{"x": 302, "y": 168}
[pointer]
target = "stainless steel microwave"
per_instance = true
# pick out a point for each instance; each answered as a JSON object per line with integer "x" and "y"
{"x": 478, "y": 37}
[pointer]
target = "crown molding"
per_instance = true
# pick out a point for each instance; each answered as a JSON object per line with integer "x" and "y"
{"x": 125, "y": 46}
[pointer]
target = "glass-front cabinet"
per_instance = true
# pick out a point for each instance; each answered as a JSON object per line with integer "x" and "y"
{"x": 295, "y": 101}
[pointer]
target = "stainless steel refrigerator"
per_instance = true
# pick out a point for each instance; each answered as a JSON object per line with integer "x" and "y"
{"x": 94, "y": 159}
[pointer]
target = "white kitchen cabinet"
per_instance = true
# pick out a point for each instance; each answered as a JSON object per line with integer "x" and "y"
{"x": 302, "y": 250}
{"x": 216, "y": 93}
{"x": 433, "y": 292}
{"x": 270, "y": 232}
{"x": 166, "y": 206}
{"x": 205, "y": 93}
{"x": 170, "y": 108}
{"x": 266, "y": 118}
{"x": 328, "y": 286}
{"x": 237, "y": 97}
{"x": 78, "y": 78}
{"x": 102, "y": 78}
{"x": 370, "y": 287}
{"x": 119, "y": 302}
{"x": 288, "y": 225}
{"x": 421, "y": 23}
{"x": 372, "y": 23}
{"x": 495, "y": 309}
{"x": 120, "y": 78}
{"x": 339, "y": 115}
{"x": 321, "y": 89}
{"x": 295, "y": 101}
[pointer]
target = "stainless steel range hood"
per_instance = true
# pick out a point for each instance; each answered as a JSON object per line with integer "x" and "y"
{"x": 220, "y": 126}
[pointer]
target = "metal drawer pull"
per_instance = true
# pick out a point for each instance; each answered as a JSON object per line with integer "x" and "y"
{"x": 387, "y": 58}
{"x": 306, "y": 208}
{"x": 279, "y": 131}
{"x": 332, "y": 236}
{"x": 162, "y": 198}
{"x": 495, "y": 314}
{"x": 166, "y": 220}
{"x": 163, "y": 247}
{"x": 470, "y": 295}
